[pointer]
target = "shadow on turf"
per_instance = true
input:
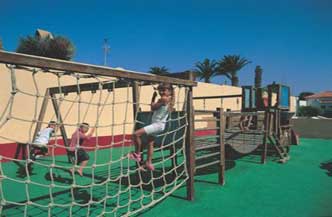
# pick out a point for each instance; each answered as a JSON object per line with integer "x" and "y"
{"x": 327, "y": 165}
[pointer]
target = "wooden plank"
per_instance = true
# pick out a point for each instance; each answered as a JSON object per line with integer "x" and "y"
{"x": 68, "y": 66}
{"x": 207, "y": 156}
{"x": 62, "y": 128}
{"x": 135, "y": 92}
{"x": 266, "y": 134}
{"x": 217, "y": 97}
{"x": 190, "y": 146}
{"x": 41, "y": 113}
{"x": 92, "y": 86}
{"x": 207, "y": 164}
{"x": 222, "y": 126}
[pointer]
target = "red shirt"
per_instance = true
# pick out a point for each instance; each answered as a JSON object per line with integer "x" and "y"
{"x": 77, "y": 139}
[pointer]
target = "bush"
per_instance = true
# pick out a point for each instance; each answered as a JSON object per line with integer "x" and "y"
{"x": 59, "y": 47}
{"x": 308, "y": 111}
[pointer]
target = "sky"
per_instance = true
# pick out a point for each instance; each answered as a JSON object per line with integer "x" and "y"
{"x": 290, "y": 39}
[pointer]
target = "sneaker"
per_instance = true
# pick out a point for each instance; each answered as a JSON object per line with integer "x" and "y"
{"x": 134, "y": 156}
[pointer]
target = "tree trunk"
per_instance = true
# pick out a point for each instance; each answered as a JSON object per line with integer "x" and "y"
{"x": 258, "y": 79}
{"x": 235, "y": 81}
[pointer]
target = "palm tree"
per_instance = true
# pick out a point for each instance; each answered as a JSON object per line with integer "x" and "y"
{"x": 229, "y": 67}
{"x": 1, "y": 44}
{"x": 258, "y": 76}
{"x": 58, "y": 47}
{"x": 163, "y": 71}
{"x": 206, "y": 70}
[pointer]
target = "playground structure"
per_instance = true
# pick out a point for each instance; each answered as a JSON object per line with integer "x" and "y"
{"x": 112, "y": 185}
{"x": 181, "y": 150}
{"x": 262, "y": 125}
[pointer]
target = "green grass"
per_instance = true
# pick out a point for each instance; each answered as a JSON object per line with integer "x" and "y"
{"x": 298, "y": 188}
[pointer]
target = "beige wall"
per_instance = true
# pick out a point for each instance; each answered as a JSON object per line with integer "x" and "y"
{"x": 116, "y": 117}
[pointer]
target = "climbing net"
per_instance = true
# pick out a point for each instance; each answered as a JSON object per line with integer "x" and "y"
{"x": 112, "y": 184}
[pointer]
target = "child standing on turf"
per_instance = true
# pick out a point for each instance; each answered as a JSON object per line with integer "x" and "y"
{"x": 160, "y": 109}
{"x": 75, "y": 151}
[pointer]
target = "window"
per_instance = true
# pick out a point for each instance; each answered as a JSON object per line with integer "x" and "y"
{"x": 323, "y": 107}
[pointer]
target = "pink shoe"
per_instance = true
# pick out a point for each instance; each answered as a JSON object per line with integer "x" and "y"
{"x": 149, "y": 166}
{"x": 134, "y": 156}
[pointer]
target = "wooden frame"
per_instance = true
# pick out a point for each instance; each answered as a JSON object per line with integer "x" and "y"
{"x": 68, "y": 66}
{"x": 252, "y": 102}
{"x": 126, "y": 78}
{"x": 277, "y": 89}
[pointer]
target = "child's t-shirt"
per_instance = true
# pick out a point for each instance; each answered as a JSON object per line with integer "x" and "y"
{"x": 160, "y": 114}
{"x": 43, "y": 136}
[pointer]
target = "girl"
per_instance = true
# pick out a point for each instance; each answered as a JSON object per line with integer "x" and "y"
{"x": 160, "y": 109}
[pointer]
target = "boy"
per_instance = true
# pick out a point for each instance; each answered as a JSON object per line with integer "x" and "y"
{"x": 79, "y": 154}
{"x": 39, "y": 145}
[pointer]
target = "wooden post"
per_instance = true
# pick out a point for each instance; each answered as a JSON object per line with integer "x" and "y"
{"x": 135, "y": 92}
{"x": 266, "y": 134}
{"x": 41, "y": 113}
{"x": 190, "y": 146}
{"x": 62, "y": 127}
{"x": 228, "y": 119}
{"x": 221, "y": 132}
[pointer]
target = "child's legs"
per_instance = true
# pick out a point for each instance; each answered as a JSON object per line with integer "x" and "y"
{"x": 18, "y": 150}
{"x": 82, "y": 159}
{"x": 138, "y": 140}
{"x": 150, "y": 149}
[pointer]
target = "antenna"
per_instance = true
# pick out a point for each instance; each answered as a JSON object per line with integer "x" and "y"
{"x": 106, "y": 49}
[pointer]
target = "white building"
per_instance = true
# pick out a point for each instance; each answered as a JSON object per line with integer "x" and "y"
{"x": 323, "y": 101}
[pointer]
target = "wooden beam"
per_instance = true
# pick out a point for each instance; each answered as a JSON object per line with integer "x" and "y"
{"x": 266, "y": 134}
{"x": 68, "y": 66}
{"x": 136, "y": 96}
{"x": 41, "y": 113}
{"x": 221, "y": 132}
{"x": 62, "y": 127}
{"x": 190, "y": 146}
{"x": 217, "y": 97}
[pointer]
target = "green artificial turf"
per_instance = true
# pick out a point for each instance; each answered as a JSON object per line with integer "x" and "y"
{"x": 301, "y": 187}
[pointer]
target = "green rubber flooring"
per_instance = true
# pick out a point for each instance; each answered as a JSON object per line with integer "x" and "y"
{"x": 301, "y": 188}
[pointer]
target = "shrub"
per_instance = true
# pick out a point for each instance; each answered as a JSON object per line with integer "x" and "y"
{"x": 58, "y": 47}
{"x": 308, "y": 111}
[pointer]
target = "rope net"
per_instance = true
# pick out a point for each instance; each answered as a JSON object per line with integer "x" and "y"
{"x": 111, "y": 183}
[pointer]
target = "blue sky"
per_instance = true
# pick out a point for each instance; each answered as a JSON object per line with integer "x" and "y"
{"x": 291, "y": 40}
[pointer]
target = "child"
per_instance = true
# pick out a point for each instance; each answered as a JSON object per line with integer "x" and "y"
{"x": 245, "y": 122}
{"x": 39, "y": 145}
{"x": 77, "y": 153}
{"x": 160, "y": 109}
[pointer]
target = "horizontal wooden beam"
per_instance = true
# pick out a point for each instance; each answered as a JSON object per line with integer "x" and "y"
{"x": 217, "y": 97}
{"x": 68, "y": 66}
{"x": 94, "y": 86}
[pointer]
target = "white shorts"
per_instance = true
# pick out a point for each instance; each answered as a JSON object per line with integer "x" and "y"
{"x": 154, "y": 129}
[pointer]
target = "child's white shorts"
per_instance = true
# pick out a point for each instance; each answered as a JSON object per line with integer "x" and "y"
{"x": 154, "y": 128}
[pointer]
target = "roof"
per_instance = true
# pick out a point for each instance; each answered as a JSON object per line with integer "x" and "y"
{"x": 325, "y": 94}
{"x": 42, "y": 34}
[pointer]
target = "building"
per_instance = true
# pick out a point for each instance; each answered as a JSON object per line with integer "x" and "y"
{"x": 323, "y": 101}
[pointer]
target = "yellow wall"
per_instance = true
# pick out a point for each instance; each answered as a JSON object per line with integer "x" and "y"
{"x": 115, "y": 118}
